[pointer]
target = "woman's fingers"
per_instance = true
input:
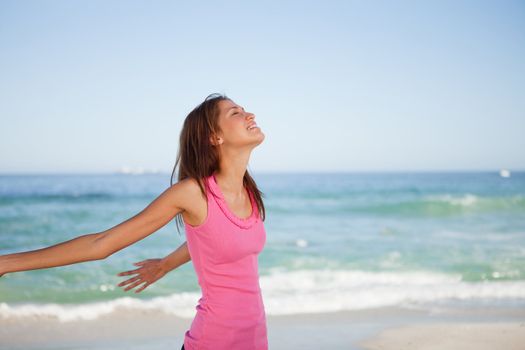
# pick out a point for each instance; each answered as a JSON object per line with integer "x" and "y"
{"x": 129, "y": 272}
{"x": 133, "y": 285}
{"x": 141, "y": 262}
{"x": 128, "y": 281}
{"x": 148, "y": 272}
{"x": 142, "y": 288}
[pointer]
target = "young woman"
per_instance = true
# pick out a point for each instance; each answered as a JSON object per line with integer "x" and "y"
{"x": 223, "y": 215}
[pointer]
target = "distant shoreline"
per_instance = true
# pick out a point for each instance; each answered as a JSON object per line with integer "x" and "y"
{"x": 495, "y": 171}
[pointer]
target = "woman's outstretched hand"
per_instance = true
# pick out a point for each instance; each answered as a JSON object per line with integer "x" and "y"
{"x": 150, "y": 271}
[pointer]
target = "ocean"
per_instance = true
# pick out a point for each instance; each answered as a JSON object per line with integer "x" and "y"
{"x": 335, "y": 241}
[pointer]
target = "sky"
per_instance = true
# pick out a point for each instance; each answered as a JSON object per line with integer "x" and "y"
{"x": 95, "y": 86}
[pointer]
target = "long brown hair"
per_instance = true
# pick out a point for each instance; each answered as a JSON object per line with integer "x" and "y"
{"x": 198, "y": 158}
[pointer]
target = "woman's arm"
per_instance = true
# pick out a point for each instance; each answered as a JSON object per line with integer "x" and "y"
{"x": 97, "y": 246}
{"x": 151, "y": 270}
{"x": 178, "y": 257}
{"x": 79, "y": 249}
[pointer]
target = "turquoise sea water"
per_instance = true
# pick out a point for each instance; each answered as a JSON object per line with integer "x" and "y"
{"x": 341, "y": 241}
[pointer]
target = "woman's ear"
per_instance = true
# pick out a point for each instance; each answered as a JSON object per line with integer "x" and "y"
{"x": 215, "y": 140}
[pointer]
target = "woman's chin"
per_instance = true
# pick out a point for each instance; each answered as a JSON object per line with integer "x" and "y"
{"x": 261, "y": 138}
{"x": 255, "y": 141}
{"x": 259, "y": 133}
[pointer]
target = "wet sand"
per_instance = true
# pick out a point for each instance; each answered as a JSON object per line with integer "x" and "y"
{"x": 374, "y": 329}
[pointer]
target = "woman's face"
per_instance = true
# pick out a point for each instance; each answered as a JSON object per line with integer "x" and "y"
{"x": 235, "y": 124}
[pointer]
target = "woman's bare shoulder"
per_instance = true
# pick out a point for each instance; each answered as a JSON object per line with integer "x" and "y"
{"x": 192, "y": 200}
{"x": 190, "y": 185}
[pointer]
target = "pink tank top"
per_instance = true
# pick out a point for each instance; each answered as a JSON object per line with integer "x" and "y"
{"x": 224, "y": 249}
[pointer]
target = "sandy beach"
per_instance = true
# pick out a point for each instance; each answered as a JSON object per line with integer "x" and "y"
{"x": 374, "y": 329}
{"x": 465, "y": 336}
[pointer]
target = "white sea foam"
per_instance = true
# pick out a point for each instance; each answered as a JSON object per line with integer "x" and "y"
{"x": 322, "y": 291}
{"x": 180, "y": 304}
{"x": 304, "y": 291}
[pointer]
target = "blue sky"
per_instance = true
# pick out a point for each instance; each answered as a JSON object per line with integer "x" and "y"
{"x": 93, "y": 86}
